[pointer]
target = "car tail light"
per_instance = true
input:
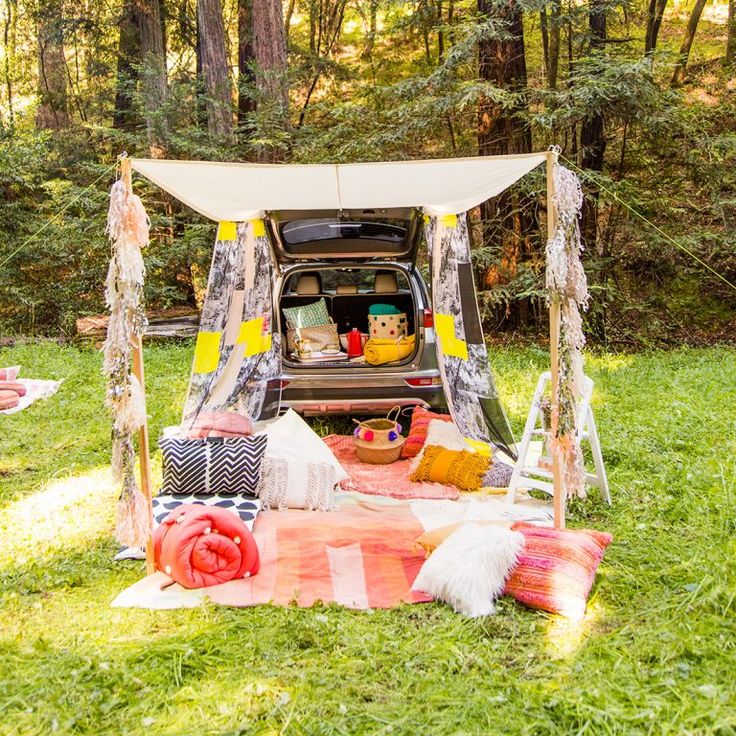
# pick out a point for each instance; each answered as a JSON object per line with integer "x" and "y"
{"x": 278, "y": 383}
{"x": 428, "y": 319}
{"x": 426, "y": 381}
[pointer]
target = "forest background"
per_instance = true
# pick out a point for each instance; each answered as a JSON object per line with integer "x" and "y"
{"x": 641, "y": 96}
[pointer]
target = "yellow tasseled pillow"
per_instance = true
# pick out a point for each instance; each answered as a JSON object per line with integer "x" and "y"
{"x": 459, "y": 468}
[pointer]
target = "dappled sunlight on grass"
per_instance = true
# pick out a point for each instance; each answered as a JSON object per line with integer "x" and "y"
{"x": 565, "y": 636}
{"x": 69, "y": 513}
{"x": 240, "y": 698}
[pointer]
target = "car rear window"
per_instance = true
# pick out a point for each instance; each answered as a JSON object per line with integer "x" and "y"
{"x": 333, "y": 236}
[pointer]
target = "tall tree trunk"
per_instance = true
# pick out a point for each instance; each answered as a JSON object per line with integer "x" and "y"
{"x": 287, "y": 19}
{"x": 440, "y": 33}
{"x": 269, "y": 47}
{"x": 680, "y": 73}
{"x": 503, "y": 63}
{"x": 730, "y": 60}
{"x": 53, "y": 103}
{"x": 503, "y": 130}
{"x": 554, "y": 44}
{"x": 370, "y": 39}
{"x": 153, "y": 74}
{"x": 129, "y": 56}
{"x": 246, "y": 60}
{"x": 592, "y": 130}
{"x": 215, "y": 68}
{"x": 654, "y": 21}
{"x": 9, "y": 21}
{"x": 550, "y": 27}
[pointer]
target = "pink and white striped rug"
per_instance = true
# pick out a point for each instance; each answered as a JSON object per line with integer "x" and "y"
{"x": 361, "y": 556}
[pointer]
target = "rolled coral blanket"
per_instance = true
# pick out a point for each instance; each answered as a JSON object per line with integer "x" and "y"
{"x": 379, "y": 351}
{"x": 8, "y": 399}
{"x": 19, "y": 388}
{"x": 199, "y": 546}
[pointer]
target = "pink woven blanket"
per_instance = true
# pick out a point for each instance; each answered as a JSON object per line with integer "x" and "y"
{"x": 383, "y": 480}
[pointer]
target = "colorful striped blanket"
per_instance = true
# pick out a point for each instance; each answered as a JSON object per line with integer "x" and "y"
{"x": 362, "y": 556}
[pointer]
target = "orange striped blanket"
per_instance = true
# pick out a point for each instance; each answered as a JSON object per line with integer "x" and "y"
{"x": 362, "y": 556}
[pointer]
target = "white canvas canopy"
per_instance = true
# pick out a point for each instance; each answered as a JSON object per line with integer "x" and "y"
{"x": 237, "y": 192}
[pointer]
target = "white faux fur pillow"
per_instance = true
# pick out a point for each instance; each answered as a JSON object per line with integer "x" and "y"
{"x": 444, "y": 434}
{"x": 469, "y": 569}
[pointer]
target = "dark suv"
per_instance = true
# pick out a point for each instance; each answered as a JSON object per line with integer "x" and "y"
{"x": 354, "y": 259}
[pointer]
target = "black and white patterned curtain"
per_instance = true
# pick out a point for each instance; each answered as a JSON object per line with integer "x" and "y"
{"x": 237, "y": 356}
{"x": 461, "y": 350}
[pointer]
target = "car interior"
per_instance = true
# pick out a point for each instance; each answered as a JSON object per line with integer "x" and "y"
{"x": 349, "y": 293}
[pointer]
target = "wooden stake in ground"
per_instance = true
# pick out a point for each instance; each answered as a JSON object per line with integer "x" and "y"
{"x": 554, "y": 351}
{"x": 144, "y": 456}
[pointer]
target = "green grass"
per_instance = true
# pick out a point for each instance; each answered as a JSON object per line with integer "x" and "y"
{"x": 656, "y": 653}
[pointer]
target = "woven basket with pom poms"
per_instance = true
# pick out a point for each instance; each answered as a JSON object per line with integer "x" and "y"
{"x": 379, "y": 441}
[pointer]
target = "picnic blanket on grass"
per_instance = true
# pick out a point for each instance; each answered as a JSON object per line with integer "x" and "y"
{"x": 35, "y": 389}
{"x": 362, "y": 556}
{"x": 383, "y": 480}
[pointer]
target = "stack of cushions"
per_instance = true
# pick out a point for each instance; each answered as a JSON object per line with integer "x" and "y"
{"x": 554, "y": 570}
{"x": 284, "y": 465}
{"x": 198, "y": 547}
{"x": 211, "y": 471}
{"x": 299, "y": 469}
{"x": 441, "y": 454}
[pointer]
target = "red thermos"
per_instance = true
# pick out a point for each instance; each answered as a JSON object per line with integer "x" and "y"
{"x": 355, "y": 343}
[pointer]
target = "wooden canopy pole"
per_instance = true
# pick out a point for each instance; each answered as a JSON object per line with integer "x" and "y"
{"x": 554, "y": 350}
{"x": 144, "y": 456}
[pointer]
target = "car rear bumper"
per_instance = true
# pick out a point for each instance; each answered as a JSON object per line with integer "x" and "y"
{"x": 310, "y": 400}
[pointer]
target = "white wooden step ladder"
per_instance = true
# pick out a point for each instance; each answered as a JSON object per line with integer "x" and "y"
{"x": 528, "y": 473}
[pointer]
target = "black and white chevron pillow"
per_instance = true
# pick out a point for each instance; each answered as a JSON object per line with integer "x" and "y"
{"x": 226, "y": 466}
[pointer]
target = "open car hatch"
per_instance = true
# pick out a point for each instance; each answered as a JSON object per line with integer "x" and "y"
{"x": 355, "y": 235}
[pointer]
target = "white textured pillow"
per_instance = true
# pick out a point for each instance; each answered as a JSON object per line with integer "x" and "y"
{"x": 294, "y": 484}
{"x": 444, "y": 434}
{"x": 469, "y": 569}
{"x": 291, "y": 439}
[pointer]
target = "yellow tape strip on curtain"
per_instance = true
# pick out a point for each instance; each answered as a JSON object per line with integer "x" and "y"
{"x": 227, "y": 230}
{"x": 251, "y": 335}
{"x": 259, "y": 228}
{"x": 207, "y": 352}
{"x": 444, "y": 326}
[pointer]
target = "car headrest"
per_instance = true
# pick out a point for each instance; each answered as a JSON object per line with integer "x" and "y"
{"x": 308, "y": 283}
{"x": 385, "y": 283}
{"x": 347, "y": 289}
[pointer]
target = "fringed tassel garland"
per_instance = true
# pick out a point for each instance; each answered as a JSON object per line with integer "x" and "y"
{"x": 566, "y": 283}
{"x": 127, "y": 226}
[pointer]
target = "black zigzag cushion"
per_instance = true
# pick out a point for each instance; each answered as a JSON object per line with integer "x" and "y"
{"x": 225, "y": 466}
